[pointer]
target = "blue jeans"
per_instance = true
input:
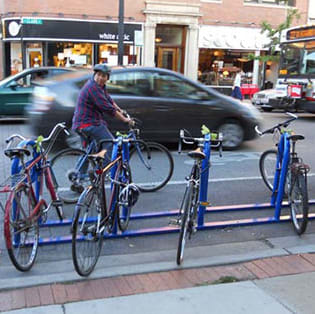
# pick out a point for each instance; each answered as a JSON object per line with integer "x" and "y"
{"x": 98, "y": 133}
{"x": 236, "y": 93}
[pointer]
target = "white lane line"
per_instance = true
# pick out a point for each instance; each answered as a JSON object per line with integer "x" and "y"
{"x": 229, "y": 179}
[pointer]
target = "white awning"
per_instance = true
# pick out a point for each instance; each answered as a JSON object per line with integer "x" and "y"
{"x": 228, "y": 37}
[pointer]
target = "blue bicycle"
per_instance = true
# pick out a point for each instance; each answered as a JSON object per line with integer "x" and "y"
{"x": 284, "y": 172}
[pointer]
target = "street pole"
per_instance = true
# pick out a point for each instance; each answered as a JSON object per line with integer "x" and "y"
{"x": 121, "y": 32}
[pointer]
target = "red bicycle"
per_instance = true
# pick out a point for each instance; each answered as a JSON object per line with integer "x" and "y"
{"x": 26, "y": 207}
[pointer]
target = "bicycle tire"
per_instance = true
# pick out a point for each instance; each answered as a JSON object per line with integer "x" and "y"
{"x": 161, "y": 167}
{"x": 267, "y": 167}
{"x": 69, "y": 187}
{"x": 123, "y": 211}
{"x": 21, "y": 234}
{"x": 186, "y": 205}
{"x": 86, "y": 243}
{"x": 298, "y": 200}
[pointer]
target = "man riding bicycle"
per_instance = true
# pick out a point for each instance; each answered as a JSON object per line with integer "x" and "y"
{"x": 93, "y": 104}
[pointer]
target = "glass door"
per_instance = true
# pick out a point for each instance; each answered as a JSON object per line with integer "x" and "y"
{"x": 168, "y": 58}
{"x": 34, "y": 57}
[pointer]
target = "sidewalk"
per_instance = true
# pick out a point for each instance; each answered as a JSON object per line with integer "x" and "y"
{"x": 283, "y": 284}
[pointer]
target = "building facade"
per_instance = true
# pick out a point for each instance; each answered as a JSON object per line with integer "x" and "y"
{"x": 203, "y": 39}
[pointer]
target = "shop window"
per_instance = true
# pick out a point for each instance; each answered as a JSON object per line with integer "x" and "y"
{"x": 132, "y": 83}
{"x": 108, "y": 53}
{"x": 218, "y": 67}
{"x": 70, "y": 54}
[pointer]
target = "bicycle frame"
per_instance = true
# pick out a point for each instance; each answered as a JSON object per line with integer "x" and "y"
{"x": 120, "y": 154}
{"x": 283, "y": 160}
{"x": 36, "y": 170}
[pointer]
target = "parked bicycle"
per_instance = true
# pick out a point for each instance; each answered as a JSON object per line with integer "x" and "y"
{"x": 152, "y": 166}
{"x": 191, "y": 201}
{"x": 26, "y": 207}
{"x": 105, "y": 204}
{"x": 282, "y": 167}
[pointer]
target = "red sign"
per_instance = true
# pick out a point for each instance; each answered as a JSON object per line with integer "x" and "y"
{"x": 295, "y": 91}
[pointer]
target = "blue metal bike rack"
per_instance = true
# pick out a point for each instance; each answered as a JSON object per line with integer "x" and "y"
{"x": 276, "y": 203}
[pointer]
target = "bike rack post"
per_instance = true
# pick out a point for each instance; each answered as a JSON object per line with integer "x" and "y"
{"x": 203, "y": 194}
{"x": 277, "y": 196}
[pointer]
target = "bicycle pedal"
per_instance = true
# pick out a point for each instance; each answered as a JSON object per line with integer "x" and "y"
{"x": 175, "y": 222}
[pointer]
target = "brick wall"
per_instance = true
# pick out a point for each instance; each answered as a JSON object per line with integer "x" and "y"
{"x": 226, "y": 11}
{"x": 229, "y": 11}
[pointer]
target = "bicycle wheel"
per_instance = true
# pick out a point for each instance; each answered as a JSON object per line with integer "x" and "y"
{"x": 298, "y": 200}
{"x": 122, "y": 201}
{"x": 185, "y": 214}
{"x": 21, "y": 232}
{"x": 87, "y": 235}
{"x": 151, "y": 174}
{"x": 267, "y": 167}
{"x": 70, "y": 181}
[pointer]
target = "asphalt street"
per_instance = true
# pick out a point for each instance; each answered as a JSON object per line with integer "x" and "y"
{"x": 234, "y": 179}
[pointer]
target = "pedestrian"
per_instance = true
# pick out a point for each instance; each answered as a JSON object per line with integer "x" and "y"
{"x": 236, "y": 89}
{"x": 94, "y": 106}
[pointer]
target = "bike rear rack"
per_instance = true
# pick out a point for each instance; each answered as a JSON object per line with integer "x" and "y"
{"x": 203, "y": 209}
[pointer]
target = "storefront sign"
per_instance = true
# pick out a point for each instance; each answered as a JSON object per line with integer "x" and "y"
{"x": 32, "y": 21}
{"x": 48, "y": 29}
{"x": 226, "y": 37}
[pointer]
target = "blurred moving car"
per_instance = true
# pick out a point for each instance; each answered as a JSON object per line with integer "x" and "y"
{"x": 165, "y": 101}
{"x": 15, "y": 90}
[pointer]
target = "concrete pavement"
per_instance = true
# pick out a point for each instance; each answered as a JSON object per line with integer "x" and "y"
{"x": 276, "y": 278}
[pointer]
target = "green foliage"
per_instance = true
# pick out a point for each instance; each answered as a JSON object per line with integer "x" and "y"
{"x": 274, "y": 35}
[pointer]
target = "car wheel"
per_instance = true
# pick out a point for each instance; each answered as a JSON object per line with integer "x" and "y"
{"x": 233, "y": 134}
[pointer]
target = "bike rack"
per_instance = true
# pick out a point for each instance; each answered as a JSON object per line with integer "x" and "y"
{"x": 275, "y": 203}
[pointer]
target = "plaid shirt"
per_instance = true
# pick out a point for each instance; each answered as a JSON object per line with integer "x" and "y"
{"x": 93, "y": 102}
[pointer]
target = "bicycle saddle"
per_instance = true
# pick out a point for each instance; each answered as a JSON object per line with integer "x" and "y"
{"x": 16, "y": 152}
{"x": 99, "y": 156}
{"x": 197, "y": 154}
{"x": 296, "y": 137}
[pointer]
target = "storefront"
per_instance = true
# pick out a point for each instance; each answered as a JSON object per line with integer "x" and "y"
{"x": 31, "y": 42}
{"x": 224, "y": 50}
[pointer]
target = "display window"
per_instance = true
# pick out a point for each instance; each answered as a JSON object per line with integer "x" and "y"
{"x": 16, "y": 58}
{"x": 63, "y": 54}
{"x": 219, "y": 67}
{"x": 108, "y": 53}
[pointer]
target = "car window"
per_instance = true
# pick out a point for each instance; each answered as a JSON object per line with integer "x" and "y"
{"x": 167, "y": 85}
{"x": 135, "y": 83}
{"x": 27, "y": 80}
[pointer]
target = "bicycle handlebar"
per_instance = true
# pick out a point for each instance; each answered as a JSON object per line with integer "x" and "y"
{"x": 61, "y": 125}
{"x": 200, "y": 140}
{"x": 278, "y": 126}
